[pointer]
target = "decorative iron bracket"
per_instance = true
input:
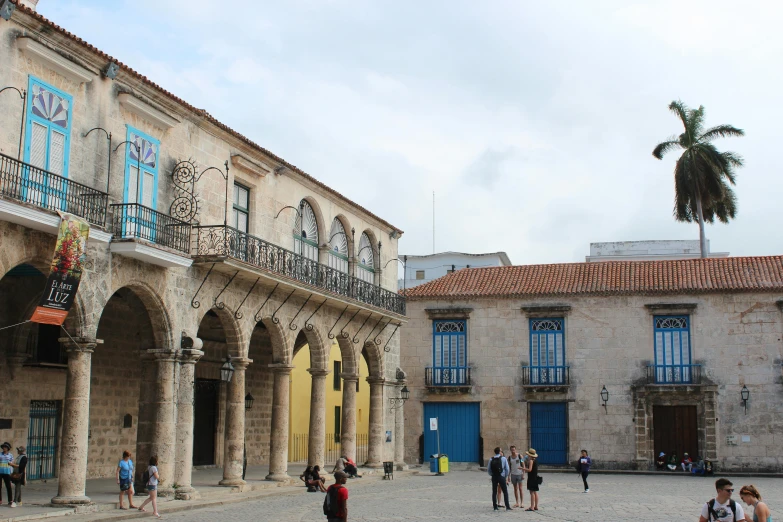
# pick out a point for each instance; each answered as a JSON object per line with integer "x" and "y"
{"x": 292, "y": 325}
{"x": 356, "y": 337}
{"x": 255, "y": 317}
{"x": 193, "y": 302}
{"x": 386, "y": 346}
{"x": 308, "y": 325}
{"x": 239, "y": 314}
{"x": 276, "y": 319}
{"x": 331, "y": 335}
{"x": 221, "y": 304}
{"x": 343, "y": 333}
{"x": 373, "y": 329}
{"x": 377, "y": 339}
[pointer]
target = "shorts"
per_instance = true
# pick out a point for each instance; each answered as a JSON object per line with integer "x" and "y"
{"x": 151, "y": 487}
{"x": 125, "y": 484}
{"x": 517, "y": 479}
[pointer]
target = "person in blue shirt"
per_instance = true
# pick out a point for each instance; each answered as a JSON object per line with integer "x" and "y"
{"x": 584, "y": 468}
{"x": 6, "y": 458}
{"x": 125, "y": 478}
{"x": 498, "y": 469}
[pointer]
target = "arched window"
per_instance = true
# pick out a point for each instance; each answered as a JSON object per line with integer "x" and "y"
{"x": 306, "y": 232}
{"x": 366, "y": 269}
{"x": 338, "y": 247}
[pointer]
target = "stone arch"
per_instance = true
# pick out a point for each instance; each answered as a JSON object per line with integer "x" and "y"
{"x": 156, "y": 311}
{"x": 348, "y": 355}
{"x": 282, "y": 349}
{"x": 373, "y": 354}
{"x": 235, "y": 339}
{"x": 319, "y": 350}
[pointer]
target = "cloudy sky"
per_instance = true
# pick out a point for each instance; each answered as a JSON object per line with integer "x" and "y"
{"x": 533, "y": 122}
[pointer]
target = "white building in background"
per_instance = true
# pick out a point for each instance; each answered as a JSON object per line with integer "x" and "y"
{"x": 421, "y": 269}
{"x": 648, "y": 251}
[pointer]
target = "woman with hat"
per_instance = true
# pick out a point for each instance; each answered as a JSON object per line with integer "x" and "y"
{"x": 532, "y": 478}
{"x": 21, "y": 476}
{"x": 6, "y": 458}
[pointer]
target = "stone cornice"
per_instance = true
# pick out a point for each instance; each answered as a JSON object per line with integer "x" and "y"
{"x": 545, "y": 310}
{"x": 448, "y": 313}
{"x": 280, "y": 368}
{"x": 318, "y": 372}
{"x": 146, "y": 111}
{"x": 248, "y": 165}
{"x": 54, "y": 60}
{"x": 79, "y": 344}
{"x": 671, "y": 308}
{"x": 350, "y": 376}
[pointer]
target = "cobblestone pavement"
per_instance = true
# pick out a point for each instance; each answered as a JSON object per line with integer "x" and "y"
{"x": 465, "y": 496}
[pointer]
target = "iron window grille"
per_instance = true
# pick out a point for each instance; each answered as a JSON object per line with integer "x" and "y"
{"x": 672, "y": 350}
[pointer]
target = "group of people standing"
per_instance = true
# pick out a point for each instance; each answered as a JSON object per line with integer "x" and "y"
{"x": 12, "y": 472}
{"x": 150, "y": 478}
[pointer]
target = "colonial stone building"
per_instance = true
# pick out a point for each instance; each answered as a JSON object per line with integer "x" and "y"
{"x": 207, "y": 253}
{"x": 626, "y": 359}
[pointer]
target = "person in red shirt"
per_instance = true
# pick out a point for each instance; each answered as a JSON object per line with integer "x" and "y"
{"x": 340, "y": 493}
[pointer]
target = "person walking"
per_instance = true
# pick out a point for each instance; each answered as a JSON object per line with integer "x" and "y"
{"x": 751, "y": 496}
{"x": 125, "y": 478}
{"x": 722, "y": 508}
{"x": 532, "y": 479}
{"x": 336, "y": 501}
{"x": 6, "y": 459}
{"x": 19, "y": 476}
{"x": 499, "y": 471}
{"x": 584, "y": 468}
{"x": 152, "y": 486}
{"x": 517, "y": 476}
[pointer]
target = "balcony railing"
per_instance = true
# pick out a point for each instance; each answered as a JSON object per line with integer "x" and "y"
{"x": 674, "y": 374}
{"x": 44, "y": 189}
{"x": 221, "y": 240}
{"x": 546, "y": 376}
{"x": 132, "y": 220}
{"x": 447, "y": 376}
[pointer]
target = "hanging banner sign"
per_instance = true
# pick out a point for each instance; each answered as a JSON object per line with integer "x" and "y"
{"x": 65, "y": 271}
{"x": 433, "y": 423}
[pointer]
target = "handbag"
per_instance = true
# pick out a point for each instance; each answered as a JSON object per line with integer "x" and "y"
{"x": 16, "y": 477}
{"x": 540, "y": 480}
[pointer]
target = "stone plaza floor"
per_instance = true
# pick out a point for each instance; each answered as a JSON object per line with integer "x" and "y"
{"x": 465, "y": 496}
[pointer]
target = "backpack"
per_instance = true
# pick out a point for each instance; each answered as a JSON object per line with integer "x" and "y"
{"x": 496, "y": 466}
{"x": 712, "y": 513}
{"x": 145, "y": 477}
{"x": 330, "y": 502}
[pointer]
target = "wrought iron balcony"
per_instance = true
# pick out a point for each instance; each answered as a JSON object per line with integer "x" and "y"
{"x": 447, "y": 376}
{"x": 677, "y": 374}
{"x": 28, "y": 184}
{"x": 546, "y": 376}
{"x": 221, "y": 240}
{"x": 132, "y": 220}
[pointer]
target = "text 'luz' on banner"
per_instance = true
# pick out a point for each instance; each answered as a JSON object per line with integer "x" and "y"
{"x": 65, "y": 272}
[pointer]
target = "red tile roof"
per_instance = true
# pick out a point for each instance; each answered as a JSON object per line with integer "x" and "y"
{"x": 200, "y": 112}
{"x": 689, "y": 276}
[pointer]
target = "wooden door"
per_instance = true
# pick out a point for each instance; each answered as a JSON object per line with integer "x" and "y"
{"x": 205, "y": 422}
{"x": 676, "y": 430}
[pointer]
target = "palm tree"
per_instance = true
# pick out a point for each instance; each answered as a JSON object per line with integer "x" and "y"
{"x": 702, "y": 175}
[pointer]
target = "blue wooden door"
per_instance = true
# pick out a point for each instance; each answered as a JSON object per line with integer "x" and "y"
{"x": 549, "y": 432}
{"x": 459, "y": 424}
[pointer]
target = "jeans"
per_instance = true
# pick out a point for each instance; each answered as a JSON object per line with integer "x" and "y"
{"x": 584, "y": 479}
{"x": 499, "y": 481}
{"x": 7, "y": 480}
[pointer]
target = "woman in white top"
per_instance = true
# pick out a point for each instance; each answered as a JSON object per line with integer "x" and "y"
{"x": 152, "y": 486}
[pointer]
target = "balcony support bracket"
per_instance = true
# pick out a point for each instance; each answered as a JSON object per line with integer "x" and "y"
{"x": 257, "y": 319}
{"x": 343, "y": 332}
{"x": 356, "y": 337}
{"x": 239, "y": 314}
{"x": 331, "y": 335}
{"x": 193, "y": 302}
{"x": 373, "y": 329}
{"x": 276, "y": 319}
{"x": 377, "y": 339}
{"x": 308, "y": 325}
{"x": 221, "y": 304}
{"x": 386, "y": 346}
{"x": 292, "y": 325}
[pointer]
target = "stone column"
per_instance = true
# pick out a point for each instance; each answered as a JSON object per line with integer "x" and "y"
{"x": 185, "y": 418}
{"x": 76, "y": 422}
{"x": 375, "y": 449}
{"x": 278, "y": 439}
{"x": 348, "y": 423}
{"x": 145, "y": 421}
{"x": 235, "y": 425}
{"x": 316, "y": 444}
{"x": 164, "y": 429}
{"x": 399, "y": 437}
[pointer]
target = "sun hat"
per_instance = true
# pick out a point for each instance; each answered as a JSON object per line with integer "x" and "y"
{"x": 661, "y": 454}
{"x": 5, "y": 445}
{"x": 21, "y": 449}
{"x": 532, "y": 453}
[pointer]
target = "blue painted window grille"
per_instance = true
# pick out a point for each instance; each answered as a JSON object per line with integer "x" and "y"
{"x": 672, "y": 349}
{"x": 449, "y": 352}
{"x": 141, "y": 184}
{"x": 547, "y": 351}
{"x": 47, "y": 143}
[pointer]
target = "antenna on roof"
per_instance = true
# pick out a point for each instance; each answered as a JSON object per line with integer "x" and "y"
{"x": 433, "y": 221}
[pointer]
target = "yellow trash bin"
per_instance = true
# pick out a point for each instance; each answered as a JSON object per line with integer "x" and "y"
{"x": 443, "y": 464}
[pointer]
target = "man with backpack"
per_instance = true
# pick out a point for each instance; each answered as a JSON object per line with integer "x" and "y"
{"x": 722, "y": 508}
{"x": 498, "y": 469}
{"x": 336, "y": 501}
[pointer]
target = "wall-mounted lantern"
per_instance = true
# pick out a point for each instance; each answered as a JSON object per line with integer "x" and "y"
{"x": 226, "y": 371}
{"x": 604, "y": 396}
{"x": 397, "y": 402}
{"x": 745, "y": 394}
{"x": 249, "y": 402}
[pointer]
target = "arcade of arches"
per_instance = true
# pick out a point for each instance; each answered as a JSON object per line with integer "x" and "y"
{"x": 77, "y": 399}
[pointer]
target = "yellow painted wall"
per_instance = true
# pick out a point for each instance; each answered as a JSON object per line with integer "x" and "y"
{"x": 300, "y": 395}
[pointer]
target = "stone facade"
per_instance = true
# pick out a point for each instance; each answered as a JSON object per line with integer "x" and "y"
{"x": 736, "y": 337}
{"x": 148, "y": 333}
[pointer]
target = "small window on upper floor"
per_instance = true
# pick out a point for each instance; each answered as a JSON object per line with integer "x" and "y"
{"x": 241, "y": 209}
{"x": 419, "y": 274}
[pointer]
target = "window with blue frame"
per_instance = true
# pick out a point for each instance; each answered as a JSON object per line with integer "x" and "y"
{"x": 547, "y": 351}
{"x": 672, "y": 349}
{"x": 449, "y": 352}
{"x": 47, "y": 144}
{"x": 140, "y": 190}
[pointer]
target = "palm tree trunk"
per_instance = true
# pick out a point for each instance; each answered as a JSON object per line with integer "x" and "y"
{"x": 700, "y": 218}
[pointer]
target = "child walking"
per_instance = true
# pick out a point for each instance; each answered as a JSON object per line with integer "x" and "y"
{"x": 584, "y": 468}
